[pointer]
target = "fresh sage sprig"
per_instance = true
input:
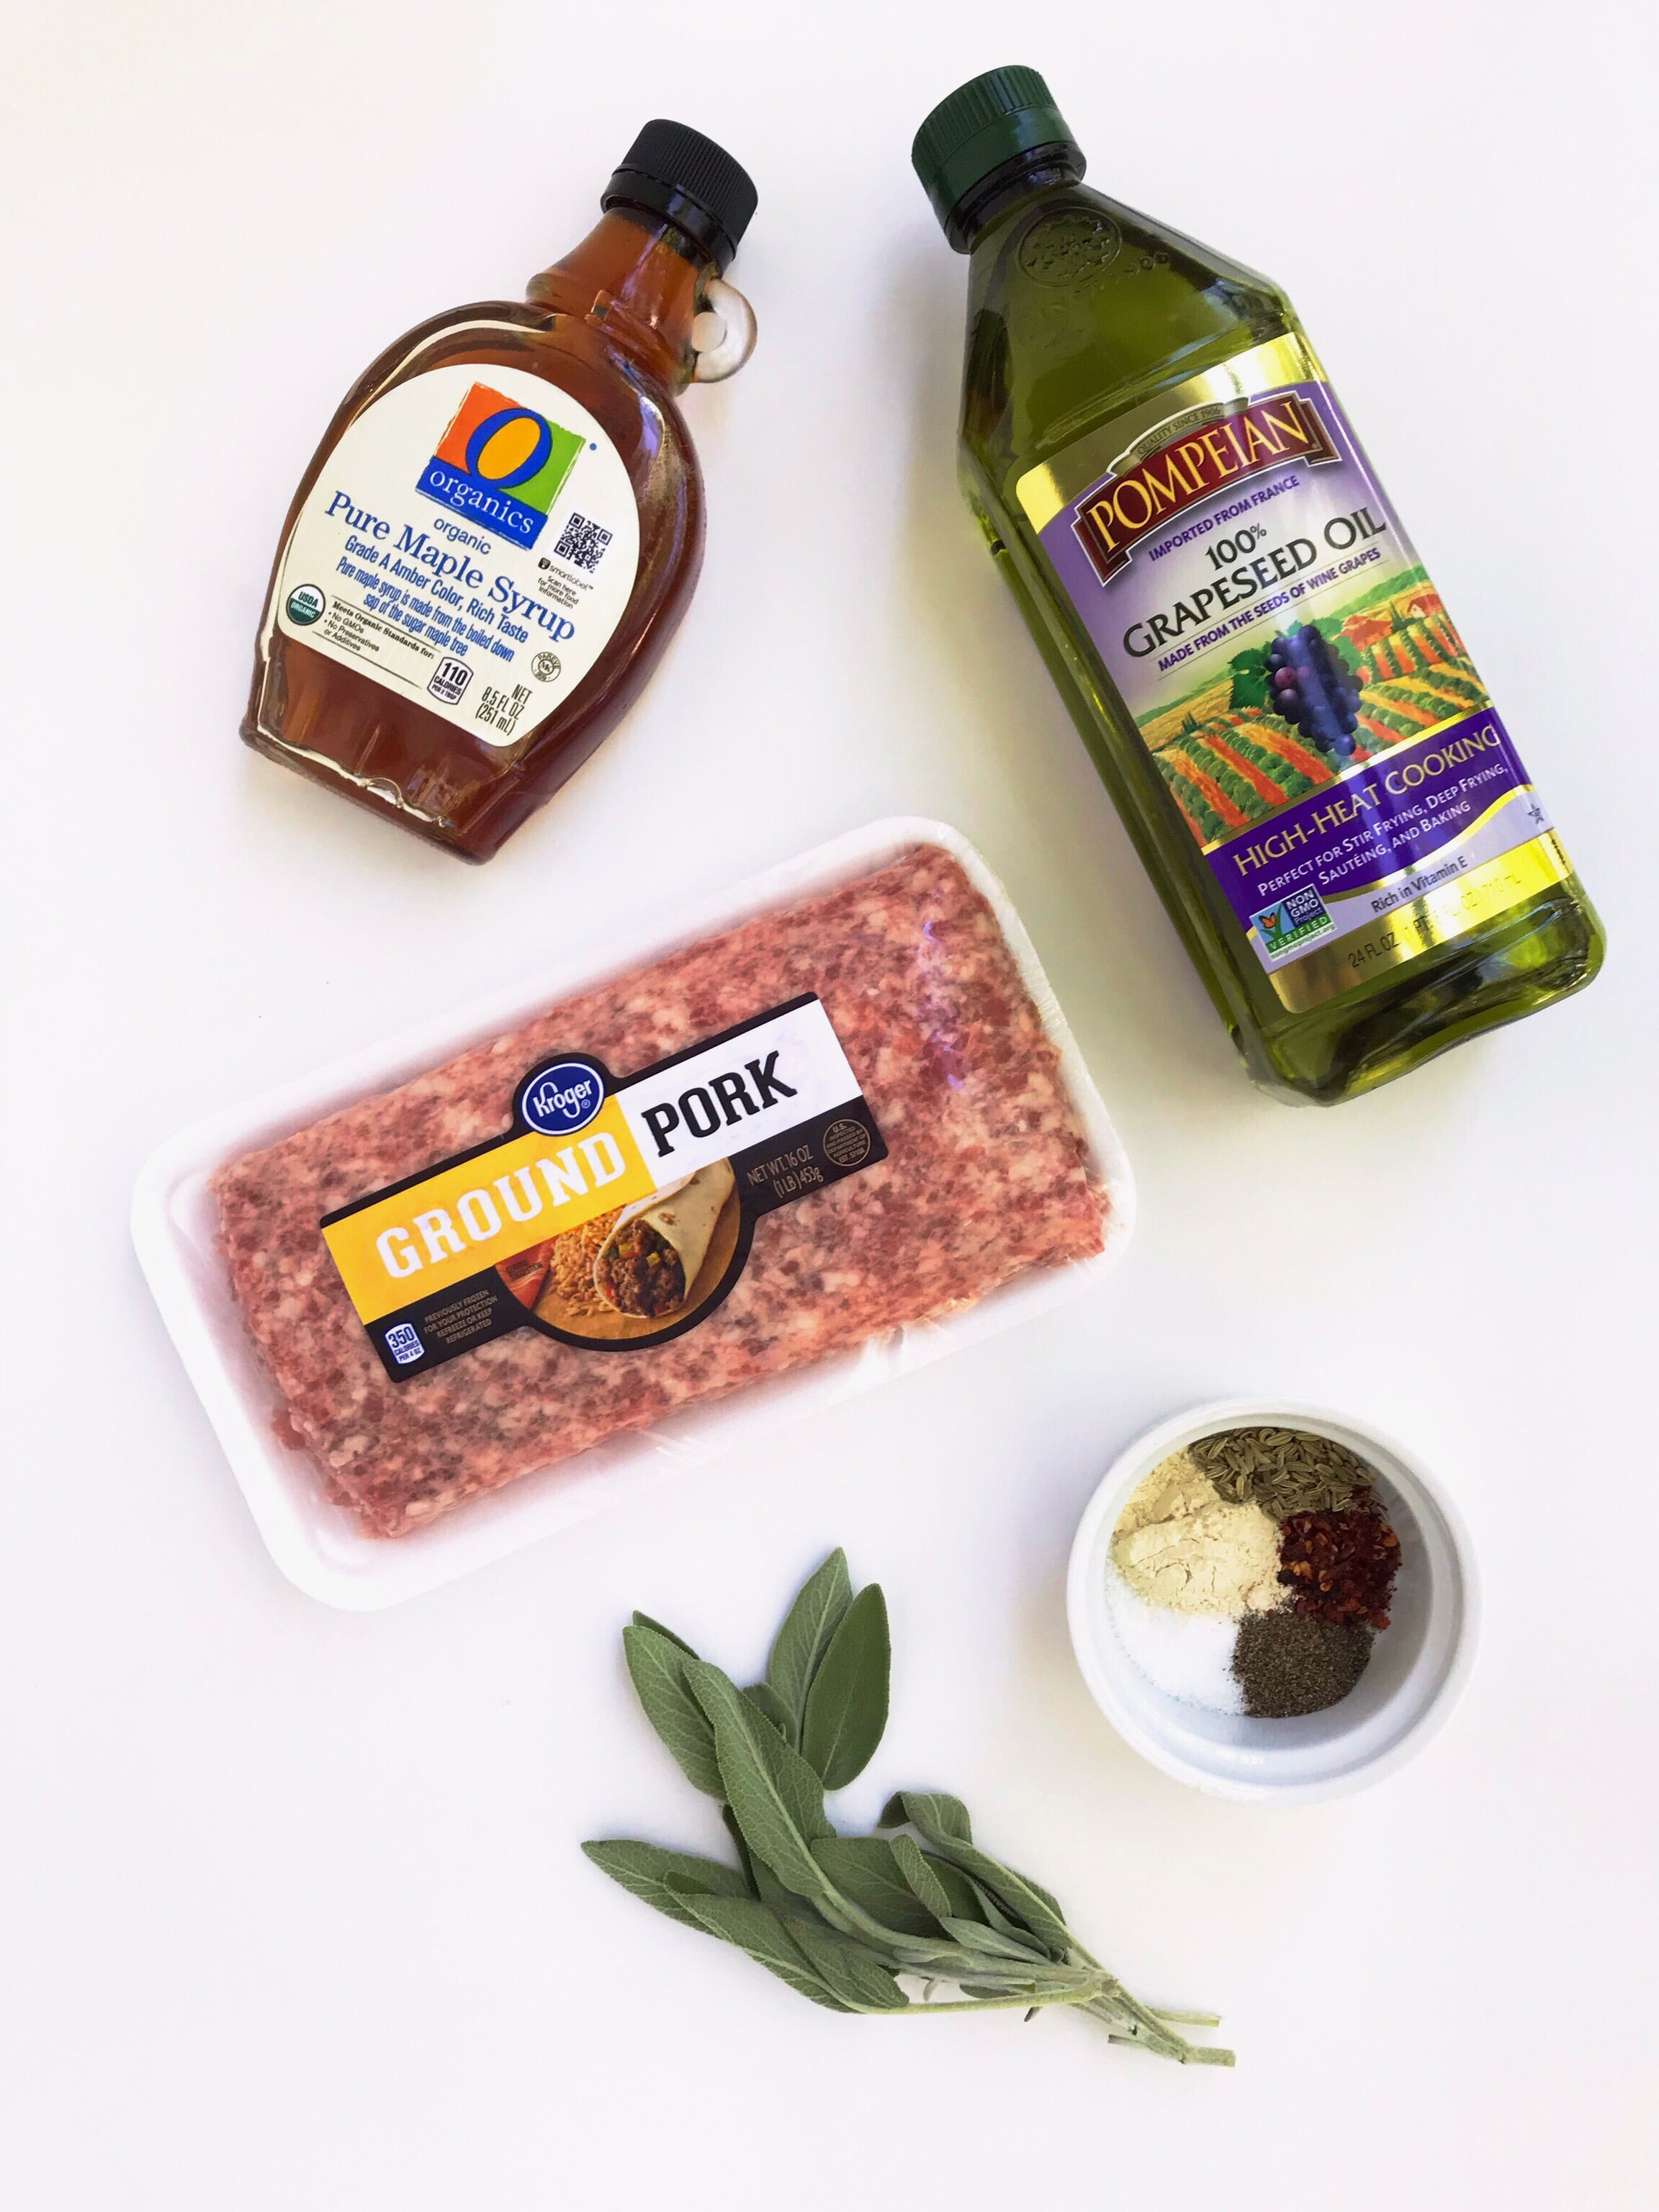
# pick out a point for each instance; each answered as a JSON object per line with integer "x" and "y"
{"x": 915, "y": 1918}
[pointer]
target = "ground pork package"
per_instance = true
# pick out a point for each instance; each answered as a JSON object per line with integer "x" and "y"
{"x": 472, "y": 1285}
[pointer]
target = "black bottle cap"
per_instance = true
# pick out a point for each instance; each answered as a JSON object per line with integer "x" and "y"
{"x": 678, "y": 173}
{"x": 989, "y": 120}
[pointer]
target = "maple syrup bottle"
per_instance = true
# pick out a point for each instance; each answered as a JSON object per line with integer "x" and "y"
{"x": 504, "y": 523}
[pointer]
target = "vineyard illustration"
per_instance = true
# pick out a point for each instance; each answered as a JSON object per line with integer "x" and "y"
{"x": 1293, "y": 712}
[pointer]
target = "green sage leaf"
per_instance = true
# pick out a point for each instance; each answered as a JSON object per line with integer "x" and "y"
{"x": 798, "y": 1787}
{"x": 846, "y": 1969}
{"x": 974, "y": 1935}
{"x": 804, "y": 1636}
{"x": 777, "y": 1799}
{"x": 930, "y": 1810}
{"x": 865, "y": 1868}
{"x": 1044, "y": 1897}
{"x": 767, "y": 1702}
{"x": 764, "y": 1934}
{"x": 966, "y": 1904}
{"x": 763, "y": 1882}
{"x": 745, "y": 1860}
{"x": 920, "y": 1879}
{"x": 1026, "y": 1904}
{"x": 772, "y": 1891}
{"x": 644, "y": 1620}
{"x": 840, "y": 1919}
{"x": 658, "y": 1664}
{"x": 991, "y": 1912}
{"x": 1030, "y": 1909}
{"x": 646, "y": 1871}
{"x": 847, "y": 1704}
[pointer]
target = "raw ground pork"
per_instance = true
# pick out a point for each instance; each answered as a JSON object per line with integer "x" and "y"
{"x": 985, "y": 1178}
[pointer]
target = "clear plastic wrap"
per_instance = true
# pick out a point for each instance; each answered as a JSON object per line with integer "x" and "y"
{"x": 1004, "y": 1190}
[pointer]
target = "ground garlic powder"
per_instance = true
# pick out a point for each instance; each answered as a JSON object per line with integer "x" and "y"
{"x": 1179, "y": 1543}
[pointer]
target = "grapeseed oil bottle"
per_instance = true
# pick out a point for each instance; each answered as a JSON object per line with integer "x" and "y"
{"x": 1306, "y": 759}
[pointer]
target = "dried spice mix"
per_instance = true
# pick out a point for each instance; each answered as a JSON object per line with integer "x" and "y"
{"x": 1341, "y": 1566}
{"x": 1286, "y": 1663}
{"x": 1284, "y": 1471}
{"x": 1266, "y": 1551}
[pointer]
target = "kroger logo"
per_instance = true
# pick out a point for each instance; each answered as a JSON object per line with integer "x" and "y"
{"x": 501, "y": 463}
{"x": 562, "y": 1097}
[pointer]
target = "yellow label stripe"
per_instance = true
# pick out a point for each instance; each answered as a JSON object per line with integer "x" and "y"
{"x": 475, "y": 1214}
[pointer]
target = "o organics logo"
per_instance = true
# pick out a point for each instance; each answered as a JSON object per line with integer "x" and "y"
{"x": 501, "y": 462}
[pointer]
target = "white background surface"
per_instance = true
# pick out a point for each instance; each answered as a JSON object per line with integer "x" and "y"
{"x": 295, "y": 1912}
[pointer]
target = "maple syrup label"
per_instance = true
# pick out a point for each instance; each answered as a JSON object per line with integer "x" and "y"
{"x": 472, "y": 542}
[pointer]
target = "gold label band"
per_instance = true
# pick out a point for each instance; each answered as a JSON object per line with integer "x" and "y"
{"x": 1049, "y": 488}
{"x": 1444, "y": 914}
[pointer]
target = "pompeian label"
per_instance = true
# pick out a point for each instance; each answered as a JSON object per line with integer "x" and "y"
{"x": 1311, "y": 709}
{"x": 614, "y": 1214}
{"x": 472, "y": 542}
{"x": 1188, "y": 468}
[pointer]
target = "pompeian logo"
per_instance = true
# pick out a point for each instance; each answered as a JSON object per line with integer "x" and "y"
{"x": 501, "y": 463}
{"x": 1192, "y": 463}
{"x": 561, "y": 1097}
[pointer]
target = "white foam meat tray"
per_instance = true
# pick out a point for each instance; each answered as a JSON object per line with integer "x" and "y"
{"x": 319, "y": 1545}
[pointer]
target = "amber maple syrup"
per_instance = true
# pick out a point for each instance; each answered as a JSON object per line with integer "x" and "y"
{"x": 504, "y": 523}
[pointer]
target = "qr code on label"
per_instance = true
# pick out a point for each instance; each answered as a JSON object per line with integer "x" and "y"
{"x": 581, "y": 542}
{"x": 403, "y": 1345}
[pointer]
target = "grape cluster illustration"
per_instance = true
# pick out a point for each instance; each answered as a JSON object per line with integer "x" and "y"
{"x": 1313, "y": 689}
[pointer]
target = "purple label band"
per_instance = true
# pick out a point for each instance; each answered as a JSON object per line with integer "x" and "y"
{"x": 1387, "y": 833}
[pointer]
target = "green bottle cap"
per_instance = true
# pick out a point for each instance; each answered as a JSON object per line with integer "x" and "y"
{"x": 983, "y": 124}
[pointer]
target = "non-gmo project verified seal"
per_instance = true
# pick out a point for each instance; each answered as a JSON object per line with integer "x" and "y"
{"x": 1293, "y": 922}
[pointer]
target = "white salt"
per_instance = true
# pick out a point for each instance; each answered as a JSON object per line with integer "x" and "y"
{"x": 1187, "y": 1656}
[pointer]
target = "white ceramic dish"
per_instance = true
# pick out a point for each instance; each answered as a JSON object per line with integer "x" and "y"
{"x": 1417, "y": 1667}
{"x": 317, "y": 1544}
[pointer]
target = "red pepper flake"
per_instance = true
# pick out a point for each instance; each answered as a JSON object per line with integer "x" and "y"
{"x": 1342, "y": 1565}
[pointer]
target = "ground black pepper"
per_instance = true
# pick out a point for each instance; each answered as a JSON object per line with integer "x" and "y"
{"x": 1288, "y": 1663}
